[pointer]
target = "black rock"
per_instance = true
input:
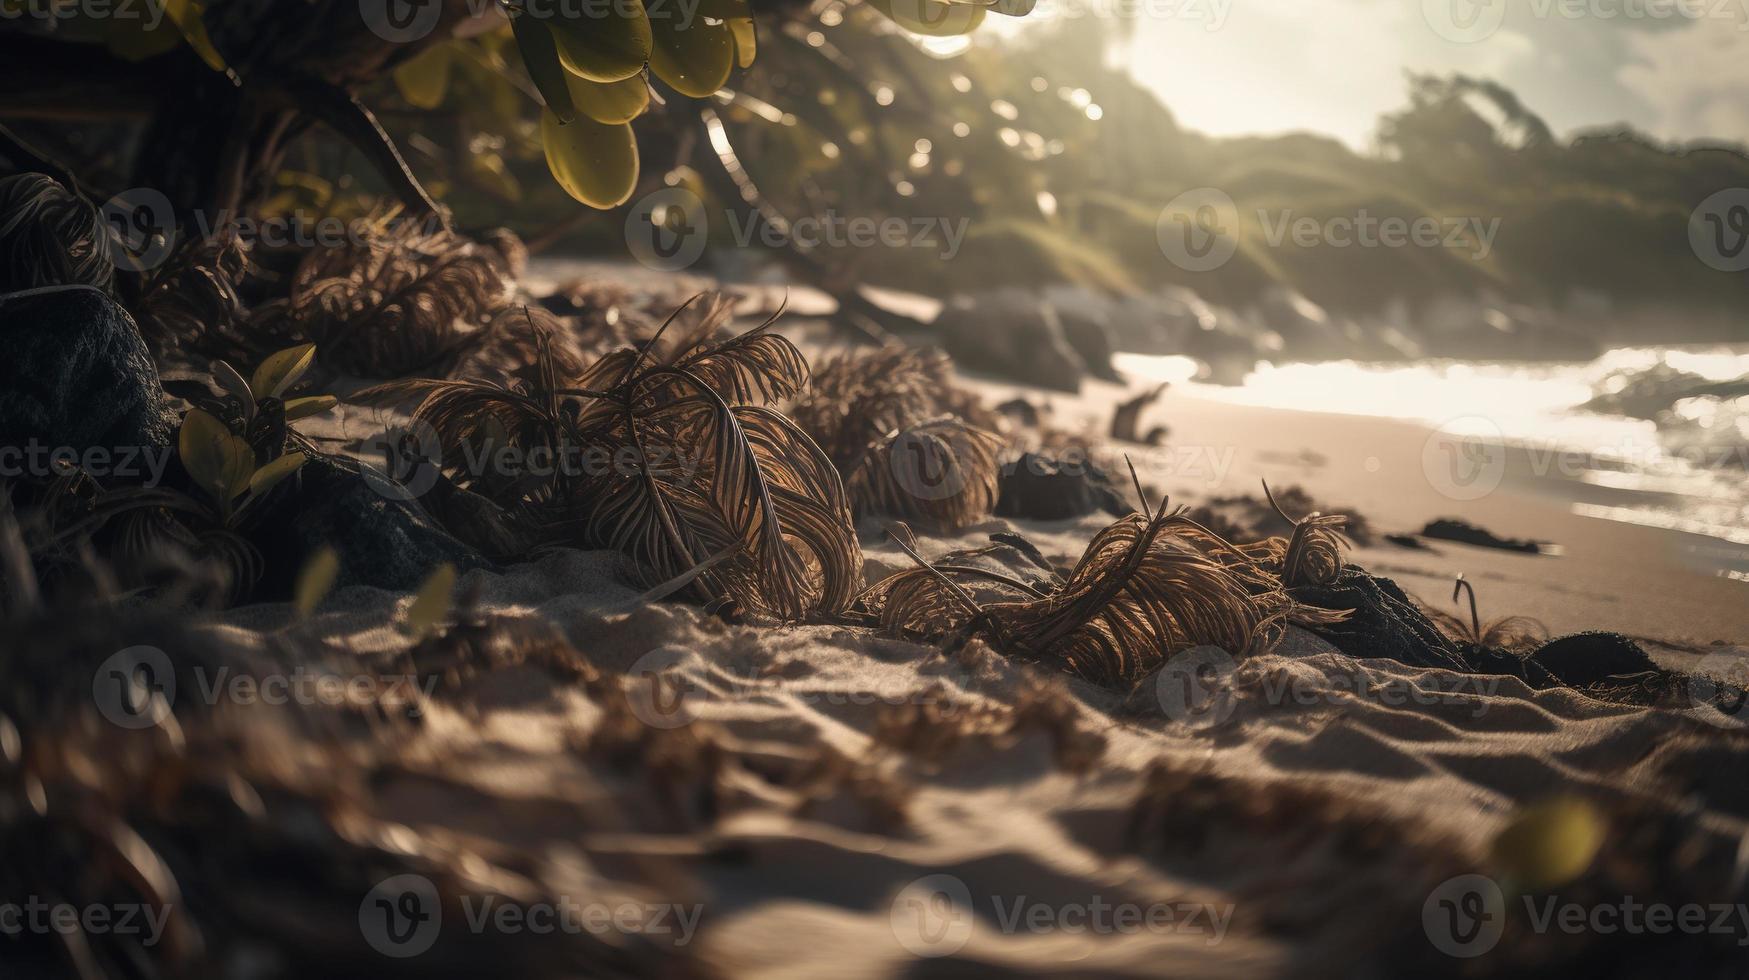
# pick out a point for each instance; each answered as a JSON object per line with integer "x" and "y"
{"x": 383, "y": 541}
{"x": 1090, "y": 338}
{"x": 1589, "y": 658}
{"x": 1042, "y": 489}
{"x": 1012, "y": 335}
{"x": 1463, "y": 532}
{"x": 1383, "y": 623}
{"x": 76, "y": 373}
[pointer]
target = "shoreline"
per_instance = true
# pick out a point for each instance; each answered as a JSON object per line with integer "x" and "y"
{"x": 1643, "y": 581}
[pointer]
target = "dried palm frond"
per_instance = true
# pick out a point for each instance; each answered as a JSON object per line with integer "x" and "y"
{"x": 1514, "y": 634}
{"x": 508, "y": 347}
{"x": 191, "y": 303}
{"x": 1310, "y": 555}
{"x": 393, "y": 299}
{"x": 50, "y": 236}
{"x": 701, "y": 464}
{"x": 1147, "y": 587}
{"x": 942, "y": 474}
{"x": 858, "y": 398}
{"x": 909, "y": 442}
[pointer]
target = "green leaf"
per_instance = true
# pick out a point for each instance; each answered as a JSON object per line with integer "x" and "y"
{"x": 695, "y": 59}
{"x": 316, "y": 580}
{"x": 603, "y": 42}
{"x": 303, "y": 408}
{"x": 282, "y": 370}
{"x": 219, "y": 462}
{"x": 233, "y": 383}
{"x": 432, "y": 605}
{"x": 594, "y": 162}
{"x": 746, "y": 41}
{"x": 540, "y": 56}
{"x": 268, "y": 477}
{"x": 186, "y": 15}
{"x": 424, "y": 79}
{"x": 611, "y": 102}
{"x": 1549, "y": 844}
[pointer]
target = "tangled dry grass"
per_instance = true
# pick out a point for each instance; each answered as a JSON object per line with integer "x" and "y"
{"x": 910, "y": 442}
{"x": 1148, "y": 586}
{"x": 716, "y": 474}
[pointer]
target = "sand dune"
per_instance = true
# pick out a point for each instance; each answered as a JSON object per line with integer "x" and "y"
{"x": 830, "y": 803}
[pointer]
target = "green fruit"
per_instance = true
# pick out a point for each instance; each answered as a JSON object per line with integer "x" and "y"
{"x": 595, "y": 163}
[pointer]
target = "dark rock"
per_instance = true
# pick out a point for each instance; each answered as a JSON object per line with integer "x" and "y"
{"x": 1021, "y": 411}
{"x": 1090, "y": 337}
{"x": 76, "y": 373}
{"x": 1383, "y": 622}
{"x": 1012, "y": 335}
{"x": 1226, "y": 356}
{"x": 1042, "y": 489}
{"x": 382, "y": 541}
{"x": 1410, "y": 542}
{"x": 1463, "y": 532}
{"x": 1589, "y": 658}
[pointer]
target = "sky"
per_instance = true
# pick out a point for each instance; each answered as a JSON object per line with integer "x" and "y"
{"x": 1678, "y": 69}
